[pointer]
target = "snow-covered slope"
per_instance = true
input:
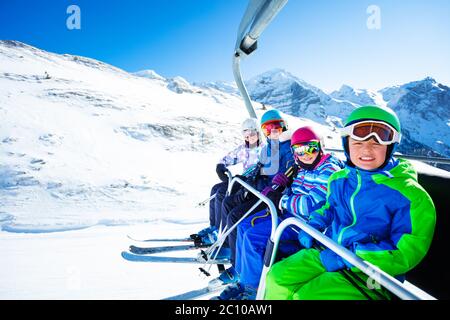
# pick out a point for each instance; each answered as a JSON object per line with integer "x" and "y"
{"x": 86, "y": 264}
{"x": 91, "y": 143}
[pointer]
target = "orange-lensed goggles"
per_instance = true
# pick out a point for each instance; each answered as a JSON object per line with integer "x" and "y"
{"x": 384, "y": 133}
{"x": 268, "y": 127}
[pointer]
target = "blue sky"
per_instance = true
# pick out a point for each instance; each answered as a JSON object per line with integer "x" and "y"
{"x": 324, "y": 42}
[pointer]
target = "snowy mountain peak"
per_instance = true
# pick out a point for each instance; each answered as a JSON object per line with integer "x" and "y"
{"x": 150, "y": 74}
{"x": 14, "y": 43}
{"x": 422, "y": 85}
{"x": 180, "y": 85}
{"x": 220, "y": 86}
{"x": 176, "y": 84}
{"x": 45, "y": 61}
{"x": 346, "y": 89}
{"x": 424, "y": 109}
{"x": 429, "y": 79}
{"x": 356, "y": 96}
{"x": 344, "y": 92}
{"x": 281, "y": 77}
{"x": 423, "y": 106}
{"x": 276, "y": 74}
{"x": 17, "y": 49}
{"x": 289, "y": 94}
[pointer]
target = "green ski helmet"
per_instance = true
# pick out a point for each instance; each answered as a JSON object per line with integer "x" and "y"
{"x": 376, "y": 113}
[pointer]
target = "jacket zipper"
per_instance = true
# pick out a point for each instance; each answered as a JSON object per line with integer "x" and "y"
{"x": 352, "y": 206}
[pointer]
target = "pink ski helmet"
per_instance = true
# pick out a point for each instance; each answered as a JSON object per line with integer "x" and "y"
{"x": 303, "y": 135}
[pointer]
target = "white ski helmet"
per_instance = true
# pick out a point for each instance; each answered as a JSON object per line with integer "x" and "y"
{"x": 250, "y": 124}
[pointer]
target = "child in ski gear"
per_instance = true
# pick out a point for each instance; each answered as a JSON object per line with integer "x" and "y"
{"x": 375, "y": 208}
{"x": 247, "y": 154}
{"x": 275, "y": 157}
{"x": 306, "y": 193}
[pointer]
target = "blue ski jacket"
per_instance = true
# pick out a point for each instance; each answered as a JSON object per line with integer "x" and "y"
{"x": 383, "y": 216}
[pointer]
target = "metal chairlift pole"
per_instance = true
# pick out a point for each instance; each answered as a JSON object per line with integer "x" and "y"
{"x": 257, "y": 17}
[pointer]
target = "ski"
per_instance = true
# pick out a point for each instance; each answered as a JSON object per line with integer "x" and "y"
{"x": 146, "y": 258}
{"x": 162, "y": 240}
{"x": 146, "y": 250}
{"x": 195, "y": 294}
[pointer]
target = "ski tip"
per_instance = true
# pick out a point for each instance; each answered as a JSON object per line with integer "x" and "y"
{"x": 124, "y": 254}
{"x": 131, "y": 238}
{"x": 129, "y": 256}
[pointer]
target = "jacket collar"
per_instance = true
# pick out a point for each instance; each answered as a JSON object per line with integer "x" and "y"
{"x": 384, "y": 170}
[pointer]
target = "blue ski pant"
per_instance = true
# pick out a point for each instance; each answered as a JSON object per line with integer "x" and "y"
{"x": 253, "y": 235}
{"x": 232, "y": 212}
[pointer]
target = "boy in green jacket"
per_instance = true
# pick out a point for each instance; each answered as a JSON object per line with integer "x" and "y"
{"x": 375, "y": 208}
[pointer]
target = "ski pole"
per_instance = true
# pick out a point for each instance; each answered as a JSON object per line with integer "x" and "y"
{"x": 218, "y": 244}
{"x": 201, "y": 204}
{"x": 220, "y": 241}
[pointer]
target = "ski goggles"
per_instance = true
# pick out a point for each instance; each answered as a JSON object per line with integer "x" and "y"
{"x": 249, "y": 133}
{"x": 383, "y": 132}
{"x": 308, "y": 148}
{"x": 268, "y": 127}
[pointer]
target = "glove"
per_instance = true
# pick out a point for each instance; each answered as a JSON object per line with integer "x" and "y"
{"x": 305, "y": 239}
{"x": 241, "y": 195}
{"x": 275, "y": 197}
{"x": 266, "y": 191}
{"x": 332, "y": 262}
{"x": 280, "y": 179}
{"x": 220, "y": 170}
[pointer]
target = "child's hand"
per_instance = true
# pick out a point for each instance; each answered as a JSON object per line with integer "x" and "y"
{"x": 332, "y": 262}
{"x": 305, "y": 239}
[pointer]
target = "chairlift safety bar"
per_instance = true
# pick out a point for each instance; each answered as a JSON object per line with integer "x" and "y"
{"x": 384, "y": 279}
